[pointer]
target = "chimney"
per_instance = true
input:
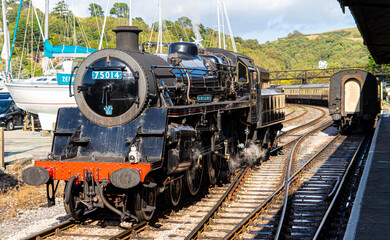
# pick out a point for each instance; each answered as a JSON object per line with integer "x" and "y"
{"x": 127, "y": 38}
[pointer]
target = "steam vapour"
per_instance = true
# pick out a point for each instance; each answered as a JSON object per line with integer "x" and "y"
{"x": 250, "y": 155}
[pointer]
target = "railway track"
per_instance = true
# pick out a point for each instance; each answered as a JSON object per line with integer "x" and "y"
{"x": 292, "y": 133}
{"x": 299, "y": 208}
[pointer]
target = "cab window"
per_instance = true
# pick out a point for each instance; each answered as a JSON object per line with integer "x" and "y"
{"x": 242, "y": 73}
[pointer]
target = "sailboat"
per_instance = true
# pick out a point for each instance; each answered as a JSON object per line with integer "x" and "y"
{"x": 44, "y": 95}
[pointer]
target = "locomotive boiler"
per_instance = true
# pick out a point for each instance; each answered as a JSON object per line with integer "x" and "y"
{"x": 149, "y": 125}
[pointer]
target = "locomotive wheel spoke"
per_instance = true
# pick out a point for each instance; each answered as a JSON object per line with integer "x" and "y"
{"x": 73, "y": 206}
{"x": 145, "y": 198}
{"x": 194, "y": 177}
{"x": 173, "y": 193}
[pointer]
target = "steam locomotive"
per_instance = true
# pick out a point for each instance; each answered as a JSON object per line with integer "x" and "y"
{"x": 149, "y": 125}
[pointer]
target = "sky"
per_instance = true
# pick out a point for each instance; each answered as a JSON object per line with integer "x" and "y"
{"x": 264, "y": 20}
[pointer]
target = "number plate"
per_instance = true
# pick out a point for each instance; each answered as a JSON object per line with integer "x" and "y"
{"x": 205, "y": 98}
{"x": 106, "y": 75}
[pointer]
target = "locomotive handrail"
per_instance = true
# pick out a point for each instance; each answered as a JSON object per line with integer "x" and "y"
{"x": 183, "y": 68}
{"x": 70, "y": 81}
{"x": 122, "y": 68}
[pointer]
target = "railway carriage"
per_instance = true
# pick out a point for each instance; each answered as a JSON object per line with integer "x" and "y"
{"x": 352, "y": 97}
{"x": 316, "y": 94}
{"x": 156, "y": 124}
{"x": 354, "y": 100}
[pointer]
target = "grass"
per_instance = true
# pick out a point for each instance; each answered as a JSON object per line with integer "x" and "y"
{"x": 19, "y": 197}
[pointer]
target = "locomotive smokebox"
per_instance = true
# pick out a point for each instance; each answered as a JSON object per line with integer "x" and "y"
{"x": 127, "y": 38}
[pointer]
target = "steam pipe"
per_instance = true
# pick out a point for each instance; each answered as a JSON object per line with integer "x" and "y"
{"x": 106, "y": 203}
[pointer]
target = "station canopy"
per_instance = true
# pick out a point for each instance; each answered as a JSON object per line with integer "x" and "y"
{"x": 373, "y": 20}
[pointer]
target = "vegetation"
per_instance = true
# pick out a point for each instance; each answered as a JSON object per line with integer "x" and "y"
{"x": 342, "y": 48}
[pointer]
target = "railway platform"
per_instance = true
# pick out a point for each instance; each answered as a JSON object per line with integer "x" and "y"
{"x": 370, "y": 217}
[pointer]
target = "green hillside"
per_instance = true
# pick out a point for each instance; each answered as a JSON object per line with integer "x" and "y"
{"x": 341, "y": 48}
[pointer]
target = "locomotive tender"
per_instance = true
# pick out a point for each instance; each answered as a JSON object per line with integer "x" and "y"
{"x": 155, "y": 124}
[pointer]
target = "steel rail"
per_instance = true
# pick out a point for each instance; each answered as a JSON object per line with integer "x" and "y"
{"x": 294, "y": 118}
{"x": 206, "y": 220}
{"x": 292, "y": 112}
{"x": 52, "y": 231}
{"x": 128, "y": 233}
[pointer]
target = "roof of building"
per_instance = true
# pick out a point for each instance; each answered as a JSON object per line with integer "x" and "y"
{"x": 373, "y": 20}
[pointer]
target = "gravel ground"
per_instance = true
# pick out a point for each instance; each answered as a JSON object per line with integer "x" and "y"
{"x": 315, "y": 143}
{"x": 32, "y": 221}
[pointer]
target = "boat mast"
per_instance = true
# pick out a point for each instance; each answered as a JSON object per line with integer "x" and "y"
{"x": 229, "y": 27}
{"x": 104, "y": 25}
{"x": 45, "y": 60}
{"x": 15, "y": 31}
{"x": 219, "y": 24}
{"x": 159, "y": 40}
{"x": 47, "y": 20}
{"x": 6, "y": 36}
{"x": 223, "y": 30}
{"x": 130, "y": 14}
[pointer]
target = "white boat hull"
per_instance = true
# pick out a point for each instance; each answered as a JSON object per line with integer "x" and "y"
{"x": 44, "y": 100}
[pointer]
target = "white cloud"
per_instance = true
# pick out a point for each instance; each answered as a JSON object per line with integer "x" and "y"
{"x": 265, "y": 20}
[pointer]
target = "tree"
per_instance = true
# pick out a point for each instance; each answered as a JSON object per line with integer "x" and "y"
{"x": 238, "y": 40}
{"x": 61, "y": 8}
{"x": 252, "y": 44}
{"x": 96, "y": 10}
{"x": 120, "y": 10}
{"x": 185, "y": 22}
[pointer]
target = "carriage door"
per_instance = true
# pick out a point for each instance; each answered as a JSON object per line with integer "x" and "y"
{"x": 352, "y": 92}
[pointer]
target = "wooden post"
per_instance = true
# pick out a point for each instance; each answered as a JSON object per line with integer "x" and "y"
{"x": 32, "y": 123}
{"x": 25, "y": 123}
{"x": 2, "y": 163}
{"x": 53, "y": 127}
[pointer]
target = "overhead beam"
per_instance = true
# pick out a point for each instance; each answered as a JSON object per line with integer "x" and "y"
{"x": 351, "y": 3}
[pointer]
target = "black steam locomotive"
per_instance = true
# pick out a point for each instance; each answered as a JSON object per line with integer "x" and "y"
{"x": 156, "y": 124}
